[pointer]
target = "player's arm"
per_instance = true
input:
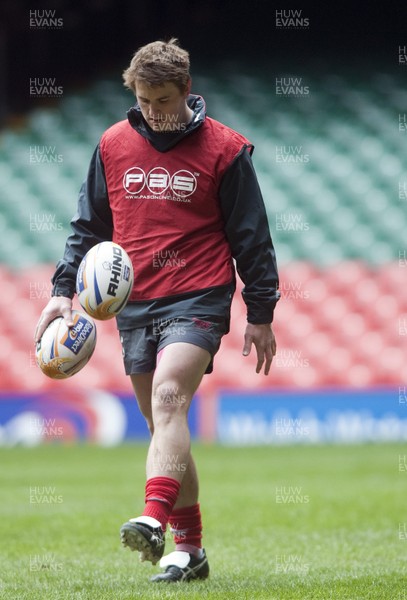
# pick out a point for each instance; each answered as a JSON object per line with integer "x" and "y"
{"x": 248, "y": 234}
{"x": 91, "y": 224}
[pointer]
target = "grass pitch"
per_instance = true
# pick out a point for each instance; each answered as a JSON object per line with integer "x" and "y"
{"x": 295, "y": 523}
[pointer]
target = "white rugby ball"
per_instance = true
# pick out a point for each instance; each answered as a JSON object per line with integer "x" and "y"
{"x": 104, "y": 280}
{"x": 62, "y": 351}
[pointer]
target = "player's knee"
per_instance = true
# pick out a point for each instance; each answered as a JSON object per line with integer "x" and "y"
{"x": 169, "y": 399}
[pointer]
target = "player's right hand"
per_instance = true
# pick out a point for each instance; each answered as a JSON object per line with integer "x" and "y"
{"x": 58, "y": 306}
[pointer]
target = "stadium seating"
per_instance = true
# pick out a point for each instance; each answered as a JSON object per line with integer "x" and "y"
{"x": 332, "y": 170}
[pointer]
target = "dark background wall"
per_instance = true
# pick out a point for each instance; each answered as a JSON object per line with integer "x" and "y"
{"x": 99, "y": 37}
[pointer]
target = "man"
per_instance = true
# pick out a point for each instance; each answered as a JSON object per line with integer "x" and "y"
{"x": 177, "y": 190}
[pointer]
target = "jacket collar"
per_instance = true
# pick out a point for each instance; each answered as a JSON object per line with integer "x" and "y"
{"x": 165, "y": 141}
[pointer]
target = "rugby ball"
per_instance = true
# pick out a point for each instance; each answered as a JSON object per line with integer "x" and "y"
{"x": 104, "y": 280}
{"x": 61, "y": 352}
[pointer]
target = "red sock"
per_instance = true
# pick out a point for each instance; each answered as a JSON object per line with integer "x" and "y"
{"x": 186, "y": 526}
{"x": 161, "y": 495}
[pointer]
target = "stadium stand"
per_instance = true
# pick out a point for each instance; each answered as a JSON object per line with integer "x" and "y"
{"x": 332, "y": 169}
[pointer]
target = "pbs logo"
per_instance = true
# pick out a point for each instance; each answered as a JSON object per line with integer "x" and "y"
{"x": 183, "y": 183}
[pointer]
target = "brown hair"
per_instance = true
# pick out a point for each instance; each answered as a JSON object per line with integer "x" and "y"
{"x": 158, "y": 62}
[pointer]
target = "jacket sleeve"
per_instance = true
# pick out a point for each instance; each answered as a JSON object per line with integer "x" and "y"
{"x": 92, "y": 223}
{"x": 247, "y": 231}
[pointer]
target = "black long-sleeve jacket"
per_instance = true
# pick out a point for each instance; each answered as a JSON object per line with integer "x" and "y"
{"x": 245, "y": 226}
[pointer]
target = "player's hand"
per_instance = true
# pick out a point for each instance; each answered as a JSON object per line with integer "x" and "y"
{"x": 262, "y": 337}
{"x": 58, "y": 306}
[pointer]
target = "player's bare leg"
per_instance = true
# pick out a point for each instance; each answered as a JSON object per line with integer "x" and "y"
{"x": 173, "y": 385}
{"x": 175, "y": 381}
{"x": 189, "y": 491}
{"x": 143, "y": 387}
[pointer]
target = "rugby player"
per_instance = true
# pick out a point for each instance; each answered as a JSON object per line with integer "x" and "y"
{"x": 178, "y": 191}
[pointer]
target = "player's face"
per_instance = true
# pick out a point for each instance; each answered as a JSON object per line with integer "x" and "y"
{"x": 163, "y": 107}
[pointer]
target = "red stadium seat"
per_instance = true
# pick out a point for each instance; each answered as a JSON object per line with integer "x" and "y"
{"x": 346, "y": 325}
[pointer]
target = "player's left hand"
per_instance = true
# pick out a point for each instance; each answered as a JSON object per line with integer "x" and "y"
{"x": 262, "y": 337}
